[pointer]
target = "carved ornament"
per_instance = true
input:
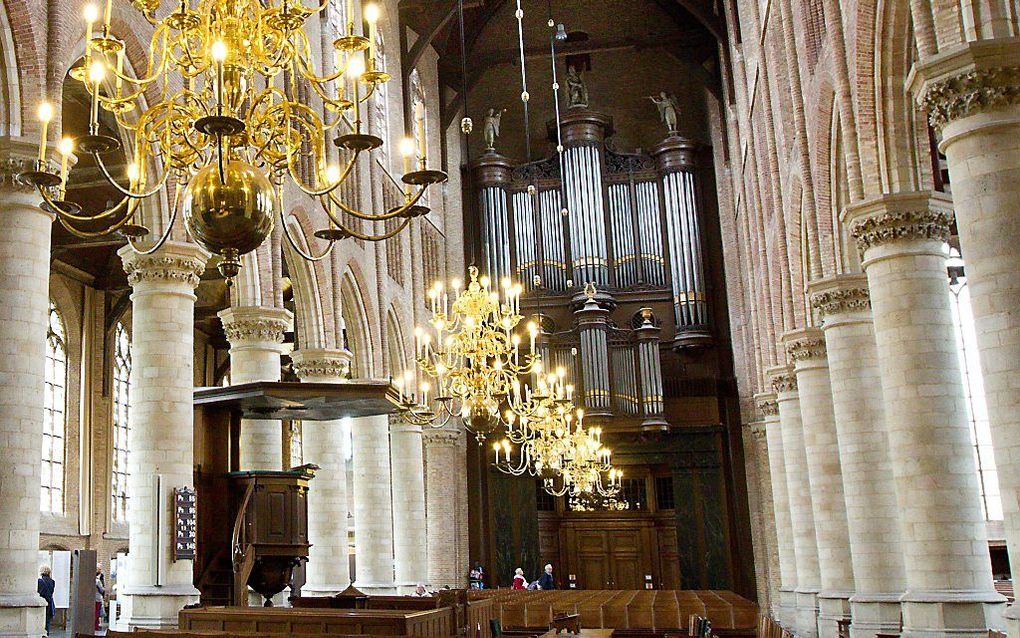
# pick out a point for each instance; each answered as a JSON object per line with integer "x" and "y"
{"x": 895, "y": 226}
{"x": 970, "y": 93}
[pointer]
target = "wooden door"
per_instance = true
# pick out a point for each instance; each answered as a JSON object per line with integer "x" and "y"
{"x": 626, "y": 553}
{"x": 593, "y": 560}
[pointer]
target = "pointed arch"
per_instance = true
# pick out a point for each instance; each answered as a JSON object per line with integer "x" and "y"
{"x": 357, "y": 334}
{"x": 396, "y": 357}
{"x": 309, "y": 326}
{"x": 10, "y": 81}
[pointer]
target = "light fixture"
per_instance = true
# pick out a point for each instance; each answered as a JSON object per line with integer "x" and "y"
{"x": 469, "y": 358}
{"x": 230, "y": 125}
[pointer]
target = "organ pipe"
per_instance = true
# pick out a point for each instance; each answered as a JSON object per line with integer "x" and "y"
{"x": 492, "y": 176}
{"x": 650, "y": 371}
{"x": 675, "y": 157}
{"x": 593, "y": 327}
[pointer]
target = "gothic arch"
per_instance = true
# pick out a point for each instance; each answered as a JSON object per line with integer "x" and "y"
{"x": 358, "y": 332}
{"x": 10, "y": 81}
{"x": 396, "y": 356}
{"x": 309, "y": 320}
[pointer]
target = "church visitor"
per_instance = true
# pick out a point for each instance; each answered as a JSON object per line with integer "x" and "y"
{"x": 476, "y": 578}
{"x": 45, "y": 588}
{"x": 546, "y": 580}
{"x": 519, "y": 581}
{"x": 421, "y": 592}
{"x": 100, "y": 593}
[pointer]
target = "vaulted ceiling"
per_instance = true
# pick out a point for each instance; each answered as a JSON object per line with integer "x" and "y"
{"x": 688, "y": 31}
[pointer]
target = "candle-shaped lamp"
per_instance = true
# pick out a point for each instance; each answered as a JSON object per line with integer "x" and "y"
{"x": 45, "y": 115}
{"x": 66, "y": 148}
{"x": 419, "y": 122}
{"x": 355, "y": 69}
{"x": 91, "y": 14}
{"x": 218, "y": 51}
{"x": 406, "y": 150}
{"x": 97, "y": 71}
{"x": 108, "y": 15}
{"x": 372, "y": 18}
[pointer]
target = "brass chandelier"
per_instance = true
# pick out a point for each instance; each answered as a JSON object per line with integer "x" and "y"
{"x": 469, "y": 358}
{"x": 220, "y": 118}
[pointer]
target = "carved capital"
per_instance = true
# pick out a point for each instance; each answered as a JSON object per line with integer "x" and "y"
{"x": 18, "y": 155}
{"x": 322, "y": 364}
{"x": 757, "y": 429}
{"x": 174, "y": 263}
{"x": 767, "y": 404}
{"x": 900, "y": 225}
{"x": 805, "y": 349}
{"x": 841, "y": 301}
{"x": 782, "y": 378}
{"x": 255, "y": 324}
{"x": 441, "y": 437}
{"x": 971, "y": 92}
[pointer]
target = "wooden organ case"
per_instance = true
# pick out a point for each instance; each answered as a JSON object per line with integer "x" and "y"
{"x": 252, "y": 526}
{"x": 648, "y": 353}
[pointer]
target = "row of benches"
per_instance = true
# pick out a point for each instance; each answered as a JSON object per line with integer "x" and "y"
{"x": 658, "y": 611}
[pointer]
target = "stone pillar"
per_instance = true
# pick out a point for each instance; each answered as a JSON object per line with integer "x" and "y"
{"x": 446, "y": 506}
{"x": 802, "y": 518}
{"x": 948, "y": 572}
{"x": 843, "y": 305}
{"x": 410, "y": 553}
{"x": 762, "y": 516}
{"x": 973, "y": 96}
{"x": 806, "y": 350}
{"x": 24, "y": 299}
{"x": 785, "y": 606}
{"x": 328, "y": 570}
{"x": 373, "y": 510}
{"x": 256, "y": 343}
{"x": 152, "y": 587}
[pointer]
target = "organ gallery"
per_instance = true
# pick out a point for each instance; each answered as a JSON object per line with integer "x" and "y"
{"x": 615, "y": 319}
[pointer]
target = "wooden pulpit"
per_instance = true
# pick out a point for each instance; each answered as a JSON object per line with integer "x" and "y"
{"x": 252, "y": 526}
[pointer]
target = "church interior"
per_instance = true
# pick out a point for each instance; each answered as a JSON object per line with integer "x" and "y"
{"x": 437, "y": 318}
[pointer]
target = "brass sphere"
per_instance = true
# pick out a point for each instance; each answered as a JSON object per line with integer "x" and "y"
{"x": 234, "y": 215}
{"x": 481, "y": 415}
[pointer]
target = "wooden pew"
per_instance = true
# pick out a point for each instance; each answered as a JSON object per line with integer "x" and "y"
{"x": 433, "y": 623}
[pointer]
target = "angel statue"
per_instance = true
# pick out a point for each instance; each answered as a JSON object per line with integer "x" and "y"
{"x": 490, "y": 128}
{"x": 577, "y": 92}
{"x": 669, "y": 109}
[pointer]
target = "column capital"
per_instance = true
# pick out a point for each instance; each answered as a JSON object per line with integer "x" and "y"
{"x": 255, "y": 324}
{"x": 174, "y": 263}
{"x": 899, "y": 218}
{"x": 767, "y": 403}
{"x": 783, "y": 380}
{"x": 805, "y": 346}
{"x": 17, "y": 155}
{"x": 442, "y": 437}
{"x": 757, "y": 429}
{"x": 840, "y": 295}
{"x": 972, "y": 78}
{"x": 322, "y": 365}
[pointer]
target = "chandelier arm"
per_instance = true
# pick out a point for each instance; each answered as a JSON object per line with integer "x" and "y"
{"x": 357, "y": 235}
{"x": 61, "y": 212}
{"x": 154, "y": 74}
{"x": 132, "y": 206}
{"x": 166, "y": 233}
{"x": 127, "y": 192}
{"x": 292, "y": 170}
{"x": 293, "y": 244}
{"x": 396, "y": 212}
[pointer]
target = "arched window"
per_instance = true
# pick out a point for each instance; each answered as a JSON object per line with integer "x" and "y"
{"x": 121, "y": 421}
{"x": 418, "y": 113}
{"x": 974, "y": 388}
{"x": 296, "y": 451}
{"x": 380, "y": 103}
{"x": 51, "y": 490}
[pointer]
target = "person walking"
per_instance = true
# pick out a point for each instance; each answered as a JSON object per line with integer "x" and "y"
{"x": 519, "y": 580}
{"x": 45, "y": 588}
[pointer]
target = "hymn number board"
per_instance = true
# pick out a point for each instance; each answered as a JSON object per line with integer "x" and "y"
{"x": 184, "y": 523}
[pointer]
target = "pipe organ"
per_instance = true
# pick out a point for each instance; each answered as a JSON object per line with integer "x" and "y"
{"x": 629, "y": 223}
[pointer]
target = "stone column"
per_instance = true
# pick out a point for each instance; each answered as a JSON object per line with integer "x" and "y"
{"x": 948, "y": 572}
{"x": 973, "y": 96}
{"x": 24, "y": 300}
{"x": 410, "y": 553}
{"x": 152, "y": 588}
{"x": 785, "y": 607}
{"x": 256, "y": 343}
{"x": 802, "y": 518}
{"x": 373, "y": 511}
{"x": 328, "y": 570}
{"x": 806, "y": 349}
{"x": 762, "y": 515}
{"x": 843, "y": 305}
{"x": 446, "y": 506}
